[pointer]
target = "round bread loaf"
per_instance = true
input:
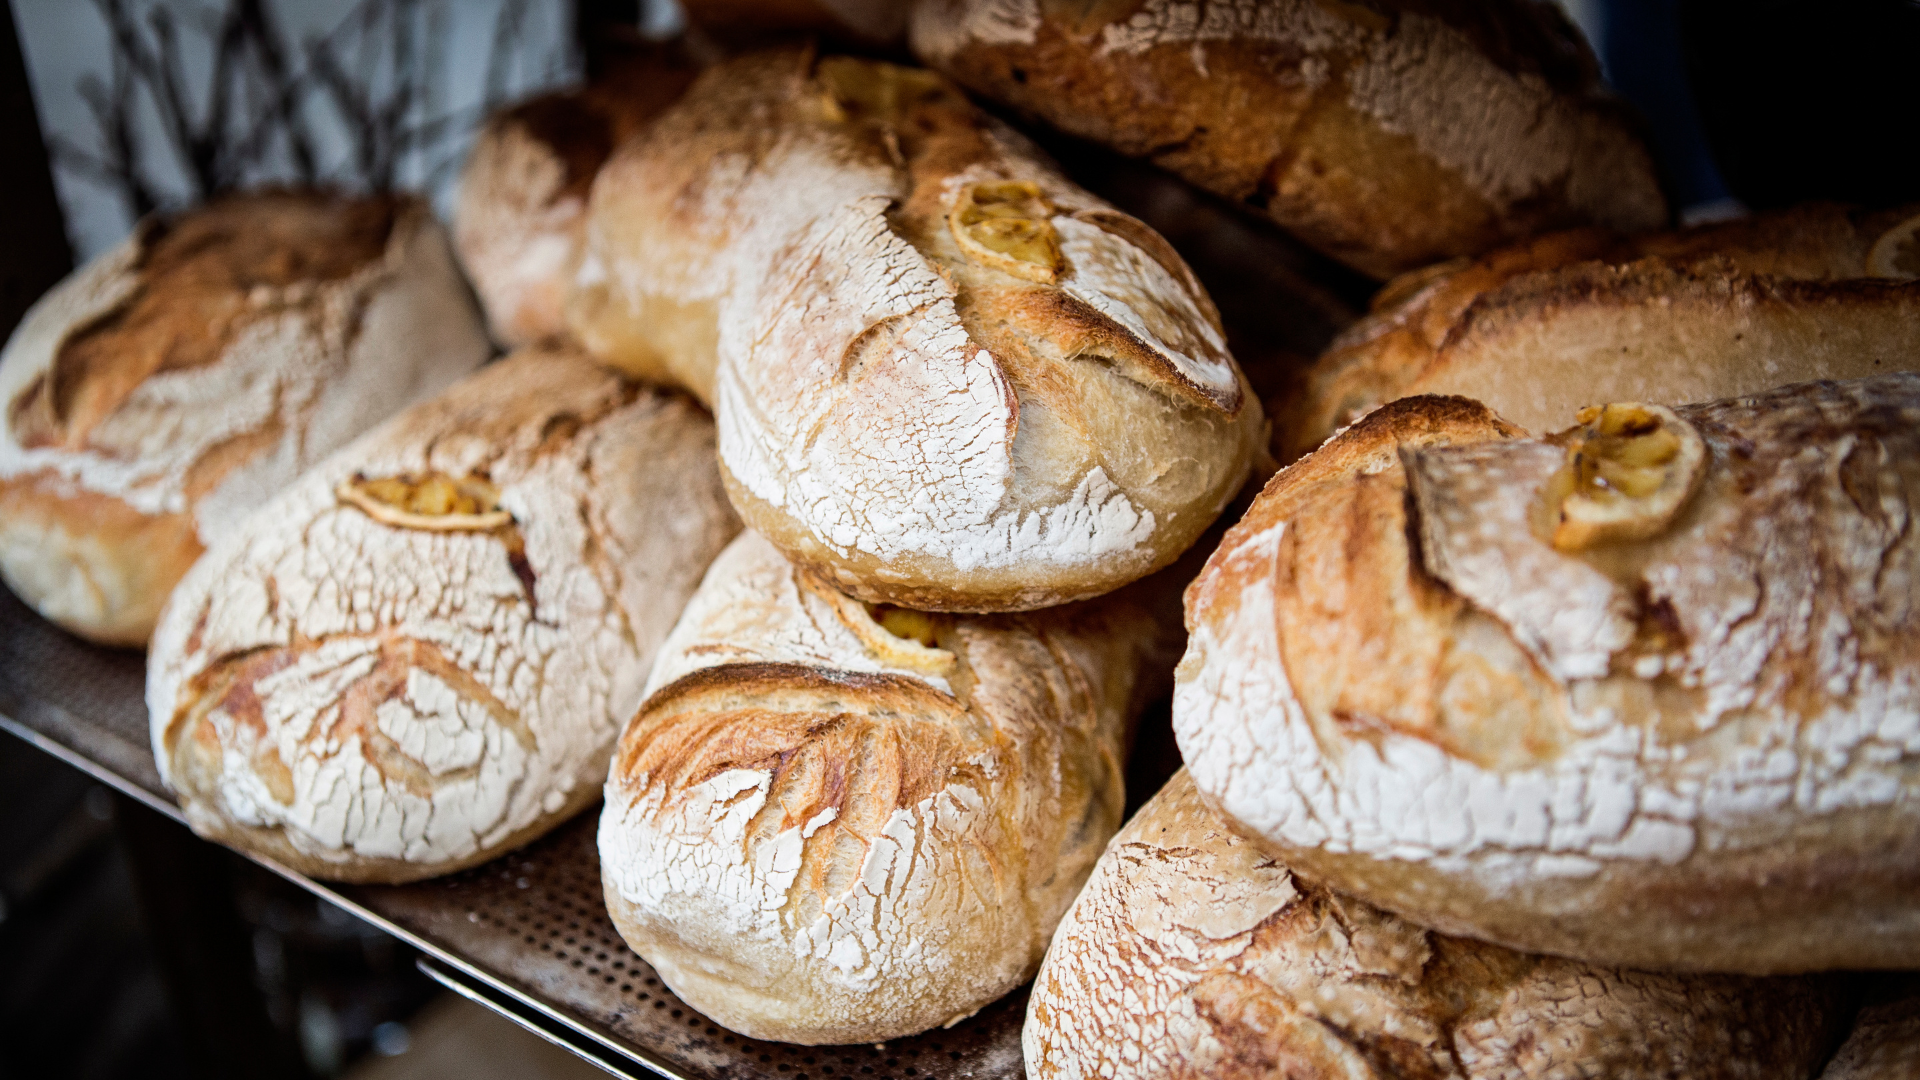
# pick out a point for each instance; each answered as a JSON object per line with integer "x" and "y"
{"x": 1885, "y": 1042}
{"x": 1192, "y": 954}
{"x": 520, "y": 220}
{"x": 1545, "y": 327}
{"x": 419, "y": 655}
{"x": 944, "y": 376}
{"x": 1389, "y": 135}
{"x": 835, "y": 822}
{"x": 164, "y": 390}
{"x": 1646, "y": 693}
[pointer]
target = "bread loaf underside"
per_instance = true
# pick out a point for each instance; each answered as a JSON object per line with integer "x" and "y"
{"x": 926, "y": 420}
{"x": 420, "y": 654}
{"x": 835, "y": 822}
{"x": 1686, "y": 751}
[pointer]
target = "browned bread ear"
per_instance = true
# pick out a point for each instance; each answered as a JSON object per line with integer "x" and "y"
{"x": 1512, "y": 687}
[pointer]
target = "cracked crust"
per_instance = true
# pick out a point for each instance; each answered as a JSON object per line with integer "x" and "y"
{"x": 1389, "y": 135}
{"x": 366, "y": 701}
{"x": 1694, "y": 750}
{"x": 819, "y": 832}
{"x": 160, "y": 392}
{"x": 919, "y": 426}
{"x": 1584, "y": 317}
{"x": 1192, "y": 954}
{"x": 520, "y": 221}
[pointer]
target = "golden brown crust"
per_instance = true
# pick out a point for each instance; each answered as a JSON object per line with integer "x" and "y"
{"x": 519, "y": 224}
{"x": 1399, "y": 683}
{"x": 159, "y": 393}
{"x": 818, "y": 831}
{"x": 1190, "y": 954}
{"x": 899, "y": 409}
{"x": 1577, "y": 318}
{"x": 361, "y": 691}
{"x": 1387, "y": 135}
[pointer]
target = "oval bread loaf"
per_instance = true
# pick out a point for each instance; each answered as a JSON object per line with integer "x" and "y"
{"x": 156, "y": 396}
{"x": 420, "y": 654}
{"x": 1190, "y": 953}
{"x": 1646, "y": 693}
{"x": 944, "y": 376}
{"x": 835, "y": 822}
{"x": 1389, "y": 135}
{"x": 1543, "y": 328}
{"x": 520, "y": 220}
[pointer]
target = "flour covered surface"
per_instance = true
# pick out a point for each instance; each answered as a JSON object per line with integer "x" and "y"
{"x": 1646, "y": 692}
{"x": 419, "y": 655}
{"x": 944, "y": 376}
{"x": 161, "y": 392}
{"x": 1191, "y": 953}
{"x": 840, "y": 822}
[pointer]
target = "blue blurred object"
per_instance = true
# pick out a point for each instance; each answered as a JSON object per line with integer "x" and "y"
{"x": 1641, "y": 53}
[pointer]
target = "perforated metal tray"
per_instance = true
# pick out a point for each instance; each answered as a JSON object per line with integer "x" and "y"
{"x": 526, "y": 934}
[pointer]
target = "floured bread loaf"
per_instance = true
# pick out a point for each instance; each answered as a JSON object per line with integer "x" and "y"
{"x": 944, "y": 376}
{"x": 1885, "y": 1043}
{"x": 420, "y": 654}
{"x": 1192, "y": 954}
{"x": 520, "y": 221}
{"x": 1646, "y": 693}
{"x": 833, "y": 822}
{"x": 1389, "y": 135}
{"x": 164, "y": 390}
{"x": 1578, "y": 318}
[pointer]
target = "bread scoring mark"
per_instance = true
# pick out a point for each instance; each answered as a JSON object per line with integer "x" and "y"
{"x": 1790, "y": 639}
{"x": 847, "y": 846}
{"x": 431, "y": 714}
{"x": 306, "y": 364}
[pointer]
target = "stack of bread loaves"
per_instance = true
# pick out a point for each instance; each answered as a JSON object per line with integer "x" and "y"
{"x": 1555, "y": 712}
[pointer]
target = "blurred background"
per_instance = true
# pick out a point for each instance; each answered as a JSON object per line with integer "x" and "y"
{"x": 148, "y": 104}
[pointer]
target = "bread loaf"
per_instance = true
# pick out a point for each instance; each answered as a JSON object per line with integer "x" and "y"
{"x": 1190, "y": 954}
{"x": 944, "y": 376}
{"x": 1573, "y": 319}
{"x": 420, "y": 654}
{"x": 868, "y": 23}
{"x": 835, "y": 822}
{"x": 1646, "y": 693}
{"x": 162, "y": 391}
{"x": 520, "y": 221}
{"x": 1389, "y": 135}
{"x": 1885, "y": 1041}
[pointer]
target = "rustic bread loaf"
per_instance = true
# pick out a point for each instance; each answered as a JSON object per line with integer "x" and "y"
{"x": 944, "y": 376}
{"x": 420, "y": 654}
{"x": 162, "y": 391}
{"x": 835, "y": 822}
{"x": 1543, "y": 328}
{"x": 1646, "y": 693}
{"x": 1190, "y": 953}
{"x": 1885, "y": 1041}
{"x": 520, "y": 221}
{"x": 1389, "y": 135}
